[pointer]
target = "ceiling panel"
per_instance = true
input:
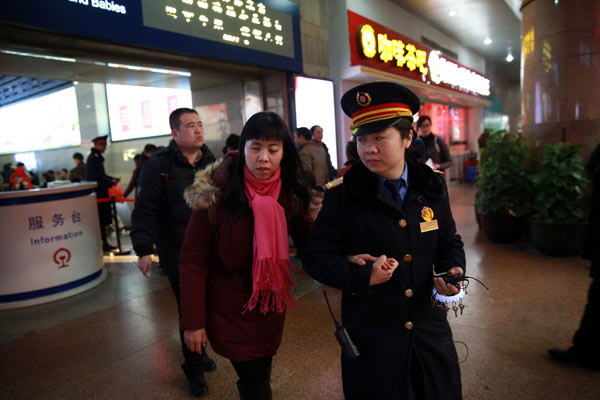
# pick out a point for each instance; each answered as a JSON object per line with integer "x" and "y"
{"x": 473, "y": 22}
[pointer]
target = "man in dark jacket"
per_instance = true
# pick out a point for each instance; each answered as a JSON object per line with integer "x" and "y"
{"x": 94, "y": 172}
{"x": 161, "y": 215}
{"x": 77, "y": 174}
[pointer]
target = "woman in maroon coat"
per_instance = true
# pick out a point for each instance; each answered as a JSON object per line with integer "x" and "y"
{"x": 234, "y": 263}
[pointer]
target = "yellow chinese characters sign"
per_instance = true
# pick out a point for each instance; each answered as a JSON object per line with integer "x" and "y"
{"x": 406, "y": 55}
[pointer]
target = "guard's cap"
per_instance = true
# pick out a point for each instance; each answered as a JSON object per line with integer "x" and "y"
{"x": 98, "y": 138}
{"x": 378, "y": 105}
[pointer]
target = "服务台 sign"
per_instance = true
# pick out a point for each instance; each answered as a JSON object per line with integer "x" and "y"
{"x": 377, "y": 47}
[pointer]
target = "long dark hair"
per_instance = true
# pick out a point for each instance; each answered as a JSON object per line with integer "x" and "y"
{"x": 268, "y": 126}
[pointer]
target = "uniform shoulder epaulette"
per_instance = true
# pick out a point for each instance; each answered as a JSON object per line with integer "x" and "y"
{"x": 437, "y": 171}
{"x": 334, "y": 183}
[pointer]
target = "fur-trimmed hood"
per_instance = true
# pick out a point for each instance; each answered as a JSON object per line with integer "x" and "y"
{"x": 204, "y": 192}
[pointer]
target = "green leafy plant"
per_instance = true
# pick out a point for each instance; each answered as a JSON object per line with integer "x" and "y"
{"x": 558, "y": 186}
{"x": 504, "y": 180}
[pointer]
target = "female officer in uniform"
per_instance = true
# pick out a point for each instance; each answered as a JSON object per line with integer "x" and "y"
{"x": 379, "y": 238}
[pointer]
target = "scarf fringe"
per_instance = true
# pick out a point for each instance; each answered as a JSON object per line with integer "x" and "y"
{"x": 272, "y": 281}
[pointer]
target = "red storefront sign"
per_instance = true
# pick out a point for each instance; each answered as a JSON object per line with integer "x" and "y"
{"x": 375, "y": 46}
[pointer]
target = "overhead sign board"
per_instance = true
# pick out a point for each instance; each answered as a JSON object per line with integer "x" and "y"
{"x": 264, "y": 33}
{"x": 378, "y": 47}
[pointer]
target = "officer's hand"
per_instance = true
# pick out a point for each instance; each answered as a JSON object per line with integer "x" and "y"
{"x": 361, "y": 259}
{"x": 382, "y": 270}
{"x": 194, "y": 340}
{"x": 145, "y": 265}
{"x": 447, "y": 289}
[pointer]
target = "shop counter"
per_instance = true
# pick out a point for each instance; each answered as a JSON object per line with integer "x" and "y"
{"x": 50, "y": 246}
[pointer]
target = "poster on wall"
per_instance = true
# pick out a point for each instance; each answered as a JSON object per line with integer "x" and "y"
{"x": 315, "y": 106}
{"x": 139, "y": 111}
{"x": 56, "y": 123}
{"x": 215, "y": 121}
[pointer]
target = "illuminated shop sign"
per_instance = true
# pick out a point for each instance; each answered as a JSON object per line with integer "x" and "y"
{"x": 378, "y": 47}
{"x": 264, "y": 32}
{"x": 243, "y": 23}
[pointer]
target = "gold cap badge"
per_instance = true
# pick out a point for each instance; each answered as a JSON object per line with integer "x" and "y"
{"x": 363, "y": 99}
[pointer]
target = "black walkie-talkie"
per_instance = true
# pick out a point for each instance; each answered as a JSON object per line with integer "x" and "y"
{"x": 342, "y": 336}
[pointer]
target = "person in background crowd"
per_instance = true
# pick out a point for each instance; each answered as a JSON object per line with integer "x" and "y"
{"x": 35, "y": 180}
{"x": 6, "y": 173}
{"x": 380, "y": 236}
{"x": 19, "y": 179}
{"x": 312, "y": 157}
{"x": 235, "y": 264}
{"x": 50, "y": 175}
{"x": 351, "y": 157}
{"x": 437, "y": 149}
{"x": 161, "y": 216}
{"x": 317, "y": 135}
{"x": 482, "y": 141}
{"x": 137, "y": 160}
{"x": 63, "y": 175}
{"x": 94, "y": 172}
{"x": 585, "y": 350}
{"x": 232, "y": 143}
{"x": 77, "y": 174}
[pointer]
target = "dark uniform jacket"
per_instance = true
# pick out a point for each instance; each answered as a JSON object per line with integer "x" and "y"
{"x": 94, "y": 172}
{"x": 161, "y": 214}
{"x": 215, "y": 268}
{"x": 394, "y": 321}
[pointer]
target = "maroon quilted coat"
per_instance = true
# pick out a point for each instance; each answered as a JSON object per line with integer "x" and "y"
{"x": 215, "y": 267}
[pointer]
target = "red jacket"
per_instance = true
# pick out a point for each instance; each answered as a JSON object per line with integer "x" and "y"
{"x": 216, "y": 271}
{"x": 19, "y": 176}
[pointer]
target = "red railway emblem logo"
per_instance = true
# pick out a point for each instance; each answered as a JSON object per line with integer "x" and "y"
{"x": 61, "y": 257}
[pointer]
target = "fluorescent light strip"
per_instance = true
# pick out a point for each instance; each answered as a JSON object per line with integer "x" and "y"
{"x": 148, "y": 69}
{"x": 46, "y": 57}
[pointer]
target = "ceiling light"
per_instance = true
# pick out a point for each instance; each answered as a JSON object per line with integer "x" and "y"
{"x": 487, "y": 41}
{"x": 452, "y": 13}
{"x": 509, "y": 56}
{"x": 44, "y": 56}
{"x": 148, "y": 69}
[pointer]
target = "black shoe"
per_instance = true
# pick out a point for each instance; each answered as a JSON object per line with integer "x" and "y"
{"x": 573, "y": 357}
{"x": 208, "y": 364}
{"x": 198, "y": 386}
{"x": 108, "y": 248}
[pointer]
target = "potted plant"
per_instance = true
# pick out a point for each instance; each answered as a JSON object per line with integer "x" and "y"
{"x": 557, "y": 222}
{"x": 503, "y": 184}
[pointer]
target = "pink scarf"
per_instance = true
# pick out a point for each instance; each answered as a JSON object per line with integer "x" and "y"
{"x": 271, "y": 277}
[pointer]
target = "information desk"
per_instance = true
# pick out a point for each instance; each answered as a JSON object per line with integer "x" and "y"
{"x": 50, "y": 245}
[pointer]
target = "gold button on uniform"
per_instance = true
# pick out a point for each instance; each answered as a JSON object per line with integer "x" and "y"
{"x": 402, "y": 223}
{"x": 408, "y": 293}
{"x": 408, "y": 325}
{"x": 407, "y": 258}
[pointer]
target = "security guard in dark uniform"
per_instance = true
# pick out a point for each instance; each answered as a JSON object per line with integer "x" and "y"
{"x": 94, "y": 171}
{"x": 382, "y": 233}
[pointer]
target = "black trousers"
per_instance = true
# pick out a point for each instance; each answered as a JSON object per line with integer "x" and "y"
{"x": 105, "y": 216}
{"x": 586, "y": 338}
{"x": 253, "y": 371}
{"x": 193, "y": 364}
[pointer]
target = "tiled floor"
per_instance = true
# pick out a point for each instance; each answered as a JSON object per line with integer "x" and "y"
{"x": 120, "y": 341}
